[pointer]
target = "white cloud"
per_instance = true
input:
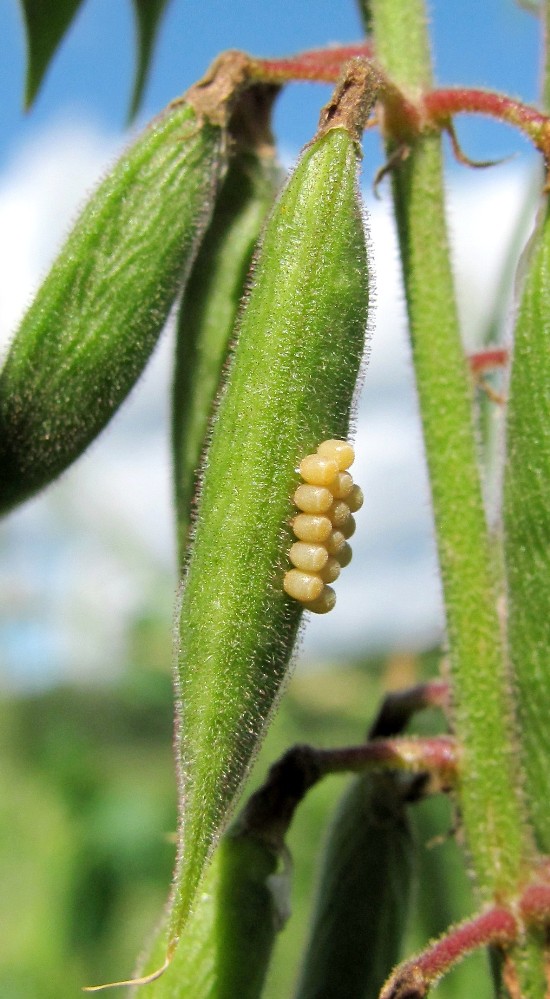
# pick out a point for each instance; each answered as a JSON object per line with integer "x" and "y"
{"x": 83, "y": 559}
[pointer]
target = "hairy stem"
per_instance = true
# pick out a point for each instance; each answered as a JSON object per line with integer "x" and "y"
{"x": 489, "y": 802}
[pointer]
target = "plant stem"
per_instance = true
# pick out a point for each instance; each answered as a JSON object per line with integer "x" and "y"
{"x": 545, "y": 17}
{"x": 488, "y": 794}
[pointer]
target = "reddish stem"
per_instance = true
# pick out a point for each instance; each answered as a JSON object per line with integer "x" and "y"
{"x": 321, "y": 65}
{"x": 413, "y": 978}
{"x": 403, "y": 117}
{"x": 399, "y": 706}
{"x": 485, "y": 360}
{"x": 440, "y": 105}
{"x": 437, "y": 756}
{"x": 535, "y": 904}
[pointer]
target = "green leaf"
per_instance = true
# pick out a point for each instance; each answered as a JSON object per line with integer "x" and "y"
{"x": 45, "y": 26}
{"x": 148, "y": 14}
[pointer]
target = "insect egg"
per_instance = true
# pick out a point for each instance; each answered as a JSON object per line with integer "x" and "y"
{"x": 326, "y": 499}
{"x": 313, "y": 499}
{"x": 348, "y": 527}
{"x": 342, "y": 485}
{"x": 317, "y": 470}
{"x": 303, "y": 586}
{"x": 335, "y": 542}
{"x": 340, "y": 451}
{"x": 355, "y": 499}
{"x": 331, "y": 570}
{"x": 310, "y": 558}
{"x": 324, "y": 602}
{"x": 338, "y": 513}
{"x": 344, "y": 555}
{"x": 308, "y": 527}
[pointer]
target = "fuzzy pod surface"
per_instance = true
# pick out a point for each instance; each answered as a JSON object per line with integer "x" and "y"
{"x": 291, "y": 383}
{"x": 96, "y": 318}
{"x": 225, "y": 948}
{"x": 362, "y": 904}
{"x": 527, "y": 527}
{"x": 208, "y": 310}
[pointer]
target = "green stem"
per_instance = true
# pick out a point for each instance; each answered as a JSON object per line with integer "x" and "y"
{"x": 545, "y": 15}
{"x": 489, "y": 800}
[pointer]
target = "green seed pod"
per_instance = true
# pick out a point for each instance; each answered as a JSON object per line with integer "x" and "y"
{"x": 244, "y": 900}
{"x": 209, "y": 307}
{"x": 290, "y": 386}
{"x": 97, "y": 317}
{"x": 527, "y": 527}
{"x": 363, "y": 897}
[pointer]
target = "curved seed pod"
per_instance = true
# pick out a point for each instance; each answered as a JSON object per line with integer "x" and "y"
{"x": 244, "y": 898}
{"x": 527, "y": 527}
{"x": 210, "y": 303}
{"x": 94, "y": 322}
{"x": 362, "y": 904}
{"x": 290, "y": 386}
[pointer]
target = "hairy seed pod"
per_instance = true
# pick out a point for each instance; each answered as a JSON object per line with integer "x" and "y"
{"x": 362, "y": 902}
{"x": 291, "y": 383}
{"x": 94, "y": 322}
{"x": 245, "y": 896}
{"x": 527, "y": 527}
{"x": 212, "y": 296}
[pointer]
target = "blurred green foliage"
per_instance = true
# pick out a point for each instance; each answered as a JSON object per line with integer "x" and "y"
{"x": 89, "y": 809}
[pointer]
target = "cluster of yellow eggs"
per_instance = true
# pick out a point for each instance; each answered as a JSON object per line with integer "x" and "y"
{"x": 328, "y": 499}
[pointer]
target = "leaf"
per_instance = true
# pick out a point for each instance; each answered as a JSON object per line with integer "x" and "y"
{"x": 148, "y": 14}
{"x": 45, "y": 25}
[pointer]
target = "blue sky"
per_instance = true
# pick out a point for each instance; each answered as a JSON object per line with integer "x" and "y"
{"x": 103, "y": 535}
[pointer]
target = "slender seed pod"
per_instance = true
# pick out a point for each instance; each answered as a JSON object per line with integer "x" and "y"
{"x": 362, "y": 902}
{"x": 214, "y": 291}
{"x": 245, "y": 898}
{"x": 290, "y": 385}
{"x": 527, "y": 527}
{"x": 96, "y": 319}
